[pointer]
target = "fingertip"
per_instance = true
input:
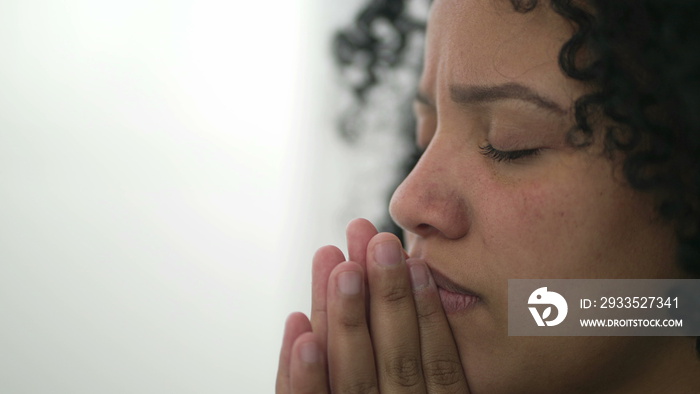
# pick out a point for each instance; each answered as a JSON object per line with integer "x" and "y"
{"x": 347, "y": 280}
{"x": 308, "y": 372}
{"x": 382, "y": 237}
{"x": 296, "y": 318}
{"x": 358, "y": 223}
{"x": 296, "y": 324}
{"x": 307, "y": 349}
{"x": 385, "y": 249}
{"x": 358, "y": 234}
{"x": 324, "y": 261}
{"x": 347, "y": 266}
{"x": 328, "y": 253}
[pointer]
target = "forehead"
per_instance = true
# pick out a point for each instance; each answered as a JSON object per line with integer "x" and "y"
{"x": 487, "y": 42}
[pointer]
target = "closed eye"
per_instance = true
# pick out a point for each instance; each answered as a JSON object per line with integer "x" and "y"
{"x": 498, "y": 155}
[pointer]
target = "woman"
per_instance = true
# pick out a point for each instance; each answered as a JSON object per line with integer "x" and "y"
{"x": 559, "y": 140}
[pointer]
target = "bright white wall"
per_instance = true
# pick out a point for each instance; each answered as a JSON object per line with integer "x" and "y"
{"x": 166, "y": 170}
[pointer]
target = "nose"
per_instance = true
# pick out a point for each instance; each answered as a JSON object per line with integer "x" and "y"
{"x": 432, "y": 200}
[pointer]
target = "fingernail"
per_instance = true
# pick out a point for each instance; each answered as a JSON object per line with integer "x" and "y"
{"x": 388, "y": 253}
{"x": 419, "y": 276}
{"x": 309, "y": 352}
{"x": 349, "y": 283}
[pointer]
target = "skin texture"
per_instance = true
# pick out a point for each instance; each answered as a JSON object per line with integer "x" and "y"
{"x": 479, "y": 221}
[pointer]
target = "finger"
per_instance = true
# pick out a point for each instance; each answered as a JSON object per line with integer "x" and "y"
{"x": 358, "y": 234}
{"x": 393, "y": 320}
{"x": 308, "y": 371}
{"x": 350, "y": 354}
{"x": 297, "y": 323}
{"x": 325, "y": 259}
{"x": 442, "y": 369}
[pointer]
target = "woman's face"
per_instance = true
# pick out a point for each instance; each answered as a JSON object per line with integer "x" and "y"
{"x": 492, "y": 84}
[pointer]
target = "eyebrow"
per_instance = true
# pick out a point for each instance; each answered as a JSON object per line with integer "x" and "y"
{"x": 471, "y": 94}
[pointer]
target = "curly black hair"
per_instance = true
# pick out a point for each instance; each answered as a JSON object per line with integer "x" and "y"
{"x": 642, "y": 57}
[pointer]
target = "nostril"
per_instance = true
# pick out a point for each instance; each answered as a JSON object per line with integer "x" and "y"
{"x": 424, "y": 229}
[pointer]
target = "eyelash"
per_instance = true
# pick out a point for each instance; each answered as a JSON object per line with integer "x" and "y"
{"x": 489, "y": 151}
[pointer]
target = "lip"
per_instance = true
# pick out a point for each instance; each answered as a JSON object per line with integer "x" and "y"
{"x": 454, "y": 297}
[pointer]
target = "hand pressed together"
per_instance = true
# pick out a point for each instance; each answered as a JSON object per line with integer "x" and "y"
{"x": 377, "y": 325}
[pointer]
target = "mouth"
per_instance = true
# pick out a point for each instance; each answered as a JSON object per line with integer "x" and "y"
{"x": 454, "y": 297}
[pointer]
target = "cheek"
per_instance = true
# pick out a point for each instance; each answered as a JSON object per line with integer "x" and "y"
{"x": 573, "y": 227}
{"x": 531, "y": 228}
{"x": 535, "y": 206}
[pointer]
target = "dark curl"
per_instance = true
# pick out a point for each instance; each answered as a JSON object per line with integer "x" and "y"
{"x": 642, "y": 59}
{"x": 363, "y": 45}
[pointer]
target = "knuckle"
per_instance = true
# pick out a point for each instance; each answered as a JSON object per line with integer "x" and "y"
{"x": 395, "y": 294}
{"x": 428, "y": 313}
{"x": 404, "y": 371}
{"x": 358, "y": 387}
{"x": 318, "y": 311}
{"x": 351, "y": 322}
{"x": 443, "y": 372}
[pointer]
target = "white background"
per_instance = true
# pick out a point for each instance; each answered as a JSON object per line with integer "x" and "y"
{"x": 166, "y": 170}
